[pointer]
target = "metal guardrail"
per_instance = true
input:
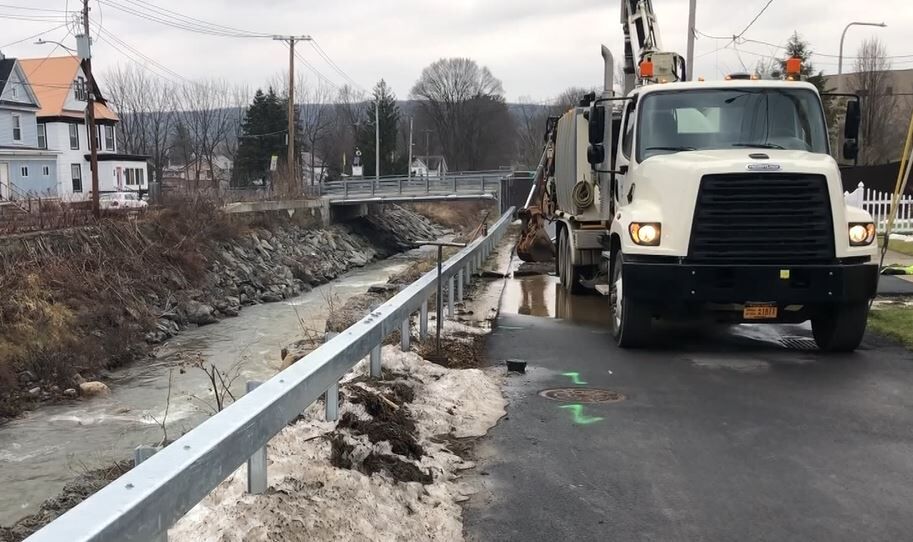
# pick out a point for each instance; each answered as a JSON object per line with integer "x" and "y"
{"x": 146, "y": 501}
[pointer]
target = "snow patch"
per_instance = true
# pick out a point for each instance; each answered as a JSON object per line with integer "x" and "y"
{"x": 310, "y": 499}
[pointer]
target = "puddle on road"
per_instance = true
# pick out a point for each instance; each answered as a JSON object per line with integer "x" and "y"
{"x": 541, "y": 295}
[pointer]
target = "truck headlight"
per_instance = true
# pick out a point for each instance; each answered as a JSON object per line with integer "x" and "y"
{"x": 646, "y": 234}
{"x": 862, "y": 234}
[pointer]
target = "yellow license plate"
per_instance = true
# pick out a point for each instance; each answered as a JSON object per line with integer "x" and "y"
{"x": 759, "y": 312}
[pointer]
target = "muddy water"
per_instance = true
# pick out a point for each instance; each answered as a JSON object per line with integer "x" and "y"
{"x": 40, "y": 452}
{"x": 542, "y": 295}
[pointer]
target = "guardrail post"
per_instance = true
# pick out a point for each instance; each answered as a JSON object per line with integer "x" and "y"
{"x": 427, "y": 184}
{"x": 460, "y": 276}
{"x": 140, "y": 454}
{"x": 400, "y": 186}
{"x": 423, "y": 321}
{"x": 375, "y": 362}
{"x": 345, "y": 189}
{"x": 405, "y": 334}
{"x": 482, "y": 185}
{"x": 451, "y": 312}
{"x": 468, "y": 272}
{"x": 331, "y": 398}
{"x": 256, "y": 464}
{"x": 374, "y": 186}
{"x": 454, "y": 184}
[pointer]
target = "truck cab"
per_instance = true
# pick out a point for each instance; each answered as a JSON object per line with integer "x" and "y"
{"x": 722, "y": 202}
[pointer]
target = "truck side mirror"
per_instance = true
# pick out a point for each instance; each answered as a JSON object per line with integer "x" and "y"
{"x": 853, "y": 120}
{"x": 596, "y": 118}
{"x": 850, "y": 149}
{"x": 595, "y": 154}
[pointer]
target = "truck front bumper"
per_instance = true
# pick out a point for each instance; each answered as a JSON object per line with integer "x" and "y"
{"x": 682, "y": 283}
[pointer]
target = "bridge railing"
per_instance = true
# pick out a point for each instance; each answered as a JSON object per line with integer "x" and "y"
{"x": 460, "y": 183}
{"x": 146, "y": 501}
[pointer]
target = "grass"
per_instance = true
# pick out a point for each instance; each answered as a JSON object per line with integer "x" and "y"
{"x": 902, "y": 247}
{"x": 893, "y": 322}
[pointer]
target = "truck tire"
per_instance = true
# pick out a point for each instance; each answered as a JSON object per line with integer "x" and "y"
{"x": 567, "y": 272}
{"x": 841, "y": 329}
{"x": 631, "y": 321}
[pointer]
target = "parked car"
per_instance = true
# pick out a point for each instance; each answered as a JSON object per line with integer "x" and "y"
{"x": 121, "y": 200}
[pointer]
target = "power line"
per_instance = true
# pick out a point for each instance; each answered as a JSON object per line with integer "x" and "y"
{"x": 34, "y": 18}
{"x": 24, "y": 8}
{"x": 753, "y": 21}
{"x": 167, "y": 12}
{"x": 319, "y": 74}
{"x": 33, "y": 36}
{"x": 335, "y": 66}
{"x": 182, "y": 22}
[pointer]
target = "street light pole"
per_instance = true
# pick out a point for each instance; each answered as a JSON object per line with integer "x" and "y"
{"x": 843, "y": 37}
{"x": 692, "y": 15}
{"x": 377, "y": 138}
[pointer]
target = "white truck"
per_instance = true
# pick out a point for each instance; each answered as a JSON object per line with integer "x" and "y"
{"x": 705, "y": 200}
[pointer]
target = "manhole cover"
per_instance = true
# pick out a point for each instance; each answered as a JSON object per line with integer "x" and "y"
{"x": 798, "y": 343}
{"x": 582, "y": 395}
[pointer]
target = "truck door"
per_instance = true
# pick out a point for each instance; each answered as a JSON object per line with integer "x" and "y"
{"x": 621, "y": 188}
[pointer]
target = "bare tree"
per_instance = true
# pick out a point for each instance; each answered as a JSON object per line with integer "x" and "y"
{"x": 315, "y": 115}
{"x": 872, "y": 80}
{"x": 465, "y": 103}
{"x": 206, "y": 113}
{"x": 531, "y": 119}
{"x": 146, "y": 106}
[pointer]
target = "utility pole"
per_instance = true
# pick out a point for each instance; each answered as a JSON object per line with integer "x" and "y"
{"x": 84, "y": 46}
{"x": 427, "y": 141}
{"x": 409, "y": 171}
{"x": 692, "y": 17}
{"x": 292, "y": 118}
{"x": 377, "y": 138}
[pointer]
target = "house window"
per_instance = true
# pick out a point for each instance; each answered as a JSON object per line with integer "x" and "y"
{"x": 135, "y": 176}
{"x": 14, "y": 91}
{"x": 17, "y": 128}
{"x": 129, "y": 173}
{"x": 76, "y": 174}
{"x": 42, "y": 136}
{"x": 109, "y": 138}
{"x": 24, "y": 170}
{"x": 46, "y": 171}
{"x": 80, "y": 89}
{"x": 140, "y": 177}
{"x": 74, "y": 137}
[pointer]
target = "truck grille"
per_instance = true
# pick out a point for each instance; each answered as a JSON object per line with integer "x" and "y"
{"x": 756, "y": 218}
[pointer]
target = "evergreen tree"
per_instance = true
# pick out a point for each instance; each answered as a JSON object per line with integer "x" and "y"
{"x": 391, "y": 162}
{"x": 797, "y": 47}
{"x": 263, "y": 136}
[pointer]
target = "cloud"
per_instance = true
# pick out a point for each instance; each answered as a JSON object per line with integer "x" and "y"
{"x": 536, "y": 47}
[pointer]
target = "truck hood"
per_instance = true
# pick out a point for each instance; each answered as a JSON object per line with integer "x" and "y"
{"x": 664, "y": 188}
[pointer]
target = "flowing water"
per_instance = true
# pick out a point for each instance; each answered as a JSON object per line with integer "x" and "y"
{"x": 43, "y": 450}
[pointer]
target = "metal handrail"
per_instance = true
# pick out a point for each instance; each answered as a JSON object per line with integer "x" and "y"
{"x": 146, "y": 501}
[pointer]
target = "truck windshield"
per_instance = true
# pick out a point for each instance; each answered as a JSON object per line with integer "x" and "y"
{"x": 763, "y": 118}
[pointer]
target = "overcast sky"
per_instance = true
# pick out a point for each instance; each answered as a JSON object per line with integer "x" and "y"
{"x": 536, "y": 47}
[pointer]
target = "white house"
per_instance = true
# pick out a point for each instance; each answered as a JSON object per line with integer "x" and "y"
{"x": 434, "y": 167}
{"x": 61, "y": 87}
{"x": 26, "y": 169}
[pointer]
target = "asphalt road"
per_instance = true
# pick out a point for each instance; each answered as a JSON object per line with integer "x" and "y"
{"x": 723, "y": 435}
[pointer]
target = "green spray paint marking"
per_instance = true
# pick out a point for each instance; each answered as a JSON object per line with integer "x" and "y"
{"x": 579, "y": 417}
{"x": 575, "y": 378}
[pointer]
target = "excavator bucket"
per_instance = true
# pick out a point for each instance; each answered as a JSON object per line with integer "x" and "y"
{"x": 535, "y": 244}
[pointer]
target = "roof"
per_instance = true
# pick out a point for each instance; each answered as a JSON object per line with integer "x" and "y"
{"x": 433, "y": 162}
{"x": 6, "y": 68}
{"x": 52, "y": 80}
{"x": 735, "y": 83}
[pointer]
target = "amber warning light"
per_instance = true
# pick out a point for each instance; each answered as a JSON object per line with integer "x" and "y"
{"x": 793, "y": 68}
{"x": 646, "y": 69}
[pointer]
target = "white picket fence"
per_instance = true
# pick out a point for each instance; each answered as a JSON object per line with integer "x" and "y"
{"x": 878, "y": 204}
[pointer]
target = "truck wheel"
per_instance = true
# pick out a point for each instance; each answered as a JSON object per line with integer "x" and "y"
{"x": 631, "y": 321}
{"x": 567, "y": 272}
{"x": 841, "y": 329}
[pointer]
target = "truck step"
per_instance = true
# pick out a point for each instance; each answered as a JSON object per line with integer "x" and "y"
{"x": 603, "y": 289}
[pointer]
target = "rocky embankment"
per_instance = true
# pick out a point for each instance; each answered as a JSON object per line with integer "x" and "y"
{"x": 82, "y": 301}
{"x": 269, "y": 265}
